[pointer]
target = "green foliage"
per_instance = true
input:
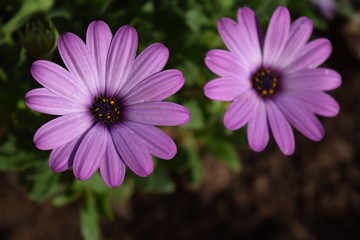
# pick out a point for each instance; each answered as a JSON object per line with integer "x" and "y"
{"x": 28, "y": 31}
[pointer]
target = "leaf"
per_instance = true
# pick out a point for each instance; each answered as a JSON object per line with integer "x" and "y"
{"x": 226, "y": 152}
{"x": 197, "y": 119}
{"x": 89, "y": 218}
{"x": 194, "y": 164}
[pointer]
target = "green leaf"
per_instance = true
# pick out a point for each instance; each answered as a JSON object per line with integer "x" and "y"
{"x": 194, "y": 164}
{"x": 89, "y": 218}
{"x": 197, "y": 119}
{"x": 226, "y": 152}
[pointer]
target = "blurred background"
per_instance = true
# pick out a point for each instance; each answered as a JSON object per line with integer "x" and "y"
{"x": 216, "y": 187}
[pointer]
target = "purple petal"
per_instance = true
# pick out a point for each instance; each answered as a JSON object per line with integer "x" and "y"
{"x": 312, "y": 55}
{"x": 157, "y": 113}
{"x": 59, "y": 81}
{"x": 132, "y": 150}
{"x": 224, "y": 63}
{"x": 62, "y": 158}
{"x": 258, "y": 132}
{"x": 44, "y": 101}
{"x": 231, "y": 35}
{"x": 280, "y": 128}
{"x": 112, "y": 169}
{"x": 300, "y": 32}
{"x": 317, "y": 102}
{"x": 240, "y": 111}
{"x": 150, "y": 61}
{"x": 317, "y": 79}
{"x": 78, "y": 60}
{"x": 226, "y": 89}
{"x": 251, "y": 35}
{"x": 98, "y": 39}
{"x": 91, "y": 152}
{"x": 120, "y": 59}
{"x": 158, "y": 142}
{"x": 156, "y": 87}
{"x": 276, "y": 36}
{"x": 300, "y": 117}
{"x": 62, "y": 130}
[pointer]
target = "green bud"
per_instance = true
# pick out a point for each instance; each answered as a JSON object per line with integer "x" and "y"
{"x": 40, "y": 39}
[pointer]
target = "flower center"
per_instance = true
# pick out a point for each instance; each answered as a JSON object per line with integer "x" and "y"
{"x": 106, "y": 110}
{"x": 265, "y": 82}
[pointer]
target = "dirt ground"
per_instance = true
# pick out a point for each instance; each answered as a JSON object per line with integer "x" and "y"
{"x": 315, "y": 194}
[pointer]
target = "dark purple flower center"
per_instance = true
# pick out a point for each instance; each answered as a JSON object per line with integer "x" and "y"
{"x": 265, "y": 82}
{"x": 106, "y": 110}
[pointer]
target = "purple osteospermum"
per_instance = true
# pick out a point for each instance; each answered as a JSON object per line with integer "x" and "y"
{"x": 272, "y": 80}
{"x": 110, "y": 102}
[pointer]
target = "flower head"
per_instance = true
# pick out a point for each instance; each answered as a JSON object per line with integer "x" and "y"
{"x": 110, "y": 101}
{"x": 273, "y": 80}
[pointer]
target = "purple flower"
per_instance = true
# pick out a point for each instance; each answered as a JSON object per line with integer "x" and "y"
{"x": 273, "y": 80}
{"x": 110, "y": 101}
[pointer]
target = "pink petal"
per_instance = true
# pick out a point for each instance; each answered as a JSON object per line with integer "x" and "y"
{"x": 120, "y": 59}
{"x": 132, "y": 150}
{"x": 157, "y": 113}
{"x": 300, "y": 117}
{"x": 62, "y": 130}
{"x": 98, "y": 39}
{"x": 112, "y": 168}
{"x": 258, "y": 132}
{"x": 78, "y": 60}
{"x": 312, "y": 55}
{"x": 317, "y": 102}
{"x": 280, "y": 128}
{"x": 62, "y": 158}
{"x": 224, "y": 64}
{"x": 150, "y": 61}
{"x": 44, "y": 101}
{"x": 317, "y": 79}
{"x": 226, "y": 88}
{"x": 156, "y": 87}
{"x": 300, "y": 32}
{"x": 91, "y": 152}
{"x": 158, "y": 142}
{"x": 59, "y": 81}
{"x": 276, "y": 36}
{"x": 240, "y": 111}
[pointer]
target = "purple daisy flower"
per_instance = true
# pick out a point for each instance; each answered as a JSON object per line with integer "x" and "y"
{"x": 110, "y": 101}
{"x": 273, "y": 80}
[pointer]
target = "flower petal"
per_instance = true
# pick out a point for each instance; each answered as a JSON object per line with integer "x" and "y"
{"x": 98, "y": 39}
{"x": 258, "y": 131}
{"x": 312, "y": 55}
{"x": 112, "y": 168}
{"x": 156, "y": 87}
{"x": 276, "y": 36}
{"x": 78, "y": 60}
{"x": 120, "y": 59}
{"x": 150, "y": 61}
{"x": 91, "y": 152}
{"x": 59, "y": 81}
{"x": 158, "y": 142}
{"x": 62, "y": 158}
{"x": 251, "y": 35}
{"x": 317, "y": 102}
{"x": 226, "y": 89}
{"x": 231, "y": 35}
{"x": 280, "y": 128}
{"x": 224, "y": 63}
{"x": 300, "y": 32}
{"x": 240, "y": 111}
{"x": 317, "y": 79}
{"x": 300, "y": 117}
{"x": 157, "y": 113}
{"x": 44, "y": 101}
{"x": 132, "y": 150}
{"x": 62, "y": 130}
